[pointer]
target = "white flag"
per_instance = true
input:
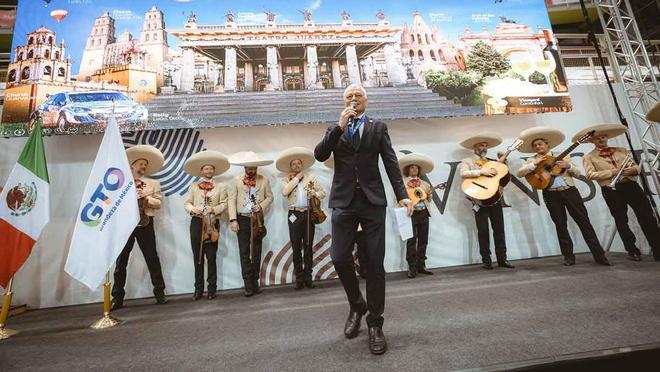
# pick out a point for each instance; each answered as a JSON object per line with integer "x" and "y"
{"x": 108, "y": 212}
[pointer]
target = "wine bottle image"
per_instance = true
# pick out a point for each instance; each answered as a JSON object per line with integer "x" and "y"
{"x": 550, "y": 52}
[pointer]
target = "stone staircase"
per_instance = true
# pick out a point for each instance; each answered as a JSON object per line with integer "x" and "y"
{"x": 293, "y": 107}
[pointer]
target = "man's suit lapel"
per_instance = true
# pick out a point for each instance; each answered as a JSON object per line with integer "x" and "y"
{"x": 346, "y": 138}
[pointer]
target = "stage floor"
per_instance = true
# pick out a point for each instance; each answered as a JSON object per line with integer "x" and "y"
{"x": 461, "y": 317}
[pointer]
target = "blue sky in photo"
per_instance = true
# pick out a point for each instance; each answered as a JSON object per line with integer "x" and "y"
{"x": 450, "y": 16}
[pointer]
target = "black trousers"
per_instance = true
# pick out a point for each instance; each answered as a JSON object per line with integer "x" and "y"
{"x": 496, "y": 216}
{"x": 250, "y": 265}
{"x": 361, "y": 253}
{"x": 558, "y": 202}
{"x": 631, "y": 194}
{"x": 210, "y": 251}
{"x": 301, "y": 246}
{"x": 416, "y": 246}
{"x": 344, "y": 226}
{"x": 146, "y": 239}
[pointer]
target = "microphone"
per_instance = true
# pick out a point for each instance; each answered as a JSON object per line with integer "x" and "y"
{"x": 351, "y": 118}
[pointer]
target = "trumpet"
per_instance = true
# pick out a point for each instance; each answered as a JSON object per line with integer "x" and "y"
{"x": 626, "y": 163}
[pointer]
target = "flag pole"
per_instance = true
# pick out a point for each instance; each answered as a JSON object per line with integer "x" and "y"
{"x": 107, "y": 321}
{"x": 5, "y": 333}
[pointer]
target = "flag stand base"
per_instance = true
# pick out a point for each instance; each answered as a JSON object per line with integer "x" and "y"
{"x": 5, "y": 333}
{"x": 107, "y": 321}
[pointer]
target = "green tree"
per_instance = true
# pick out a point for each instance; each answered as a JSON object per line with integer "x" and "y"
{"x": 456, "y": 85}
{"x": 487, "y": 61}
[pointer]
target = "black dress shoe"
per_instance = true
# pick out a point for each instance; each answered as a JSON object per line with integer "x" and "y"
{"x": 161, "y": 300}
{"x": 412, "y": 274}
{"x": 299, "y": 286}
{"x": 377, "y": 341}
{"x": 309, "y": 283}
{"x": 487, "y": 265}
{"x": 424, "y": 271}
{"x": 211, "y": 295}
{"x": 636, "y": 257}
{"x": 602, "y": 260}
{"x": 569, "y": 261}
{"x": 116, "y": 304}
{"x": 247, "y": 292}
{"x": 352, "y": 326}
{"x": 196, "y": 296}
{"x": 506, "y": 264}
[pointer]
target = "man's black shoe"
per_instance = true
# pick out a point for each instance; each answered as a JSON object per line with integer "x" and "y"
{"x": 352, "y": 326}
{"x": 377, "y": 341}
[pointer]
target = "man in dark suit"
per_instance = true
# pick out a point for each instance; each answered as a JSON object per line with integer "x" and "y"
{"x": 358, "y": 197}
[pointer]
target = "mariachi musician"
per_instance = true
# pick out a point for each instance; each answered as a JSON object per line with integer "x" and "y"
{"x": 249, "y": 196}
{"x": 145, "y": 160}
{"x": 472, "y": 167}
{"x": 298, "y": 187}
{"x": 413, "y": 166}
{"x": 561, "y": 195}
{"x": 206, "y": 200}
{"x": 616, "y": 172}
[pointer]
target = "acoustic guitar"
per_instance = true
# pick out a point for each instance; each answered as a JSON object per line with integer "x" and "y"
{"x": 417, "y": 194}
{"x": 546, "y": 171}
{"x": 484, "y": 190}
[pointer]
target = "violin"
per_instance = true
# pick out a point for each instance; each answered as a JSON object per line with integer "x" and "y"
{"x": 209, "y": 232}
{"x": 257, "y": 226}
{"x": 314, "y": 210}
{"x": 209, "y": 220}
{"x": 143, "y": 203}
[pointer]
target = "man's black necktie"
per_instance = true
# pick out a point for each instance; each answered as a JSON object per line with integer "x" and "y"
{"x": 356, "y": 137}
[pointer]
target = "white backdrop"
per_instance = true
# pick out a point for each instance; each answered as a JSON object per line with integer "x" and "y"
{"x": 42, "y": 281}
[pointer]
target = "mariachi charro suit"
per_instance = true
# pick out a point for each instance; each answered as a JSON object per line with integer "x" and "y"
{"x": 146, "y": 239}
{"x": 297, "y": 218}
{"x": 197, "y": 199}
{"x": 239, "y": 198}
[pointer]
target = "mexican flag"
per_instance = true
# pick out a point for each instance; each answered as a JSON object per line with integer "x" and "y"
{"x": 24, "y": 206}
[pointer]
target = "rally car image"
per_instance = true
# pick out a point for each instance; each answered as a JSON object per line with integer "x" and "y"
{"x": 91, "y": 108}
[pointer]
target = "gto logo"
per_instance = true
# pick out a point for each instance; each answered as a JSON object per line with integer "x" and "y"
{"x": 93, "y": 211}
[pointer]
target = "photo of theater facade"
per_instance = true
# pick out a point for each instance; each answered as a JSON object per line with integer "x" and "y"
{"x": 310, "y": 55}
{"x": 289, "y": 56}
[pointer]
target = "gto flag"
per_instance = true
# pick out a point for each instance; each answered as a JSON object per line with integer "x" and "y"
{"x": 24, "y": 206}
{"x": 107, "y": 215}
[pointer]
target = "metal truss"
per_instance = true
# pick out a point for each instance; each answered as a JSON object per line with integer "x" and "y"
{"x": 633, "y": 69}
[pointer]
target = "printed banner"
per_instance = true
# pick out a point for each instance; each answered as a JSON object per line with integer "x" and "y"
{"x": 209, "y": 63}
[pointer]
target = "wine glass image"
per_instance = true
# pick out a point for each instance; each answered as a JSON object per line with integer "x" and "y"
{"x": 546, "y": 67}
{"x": 522, "y": 64}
